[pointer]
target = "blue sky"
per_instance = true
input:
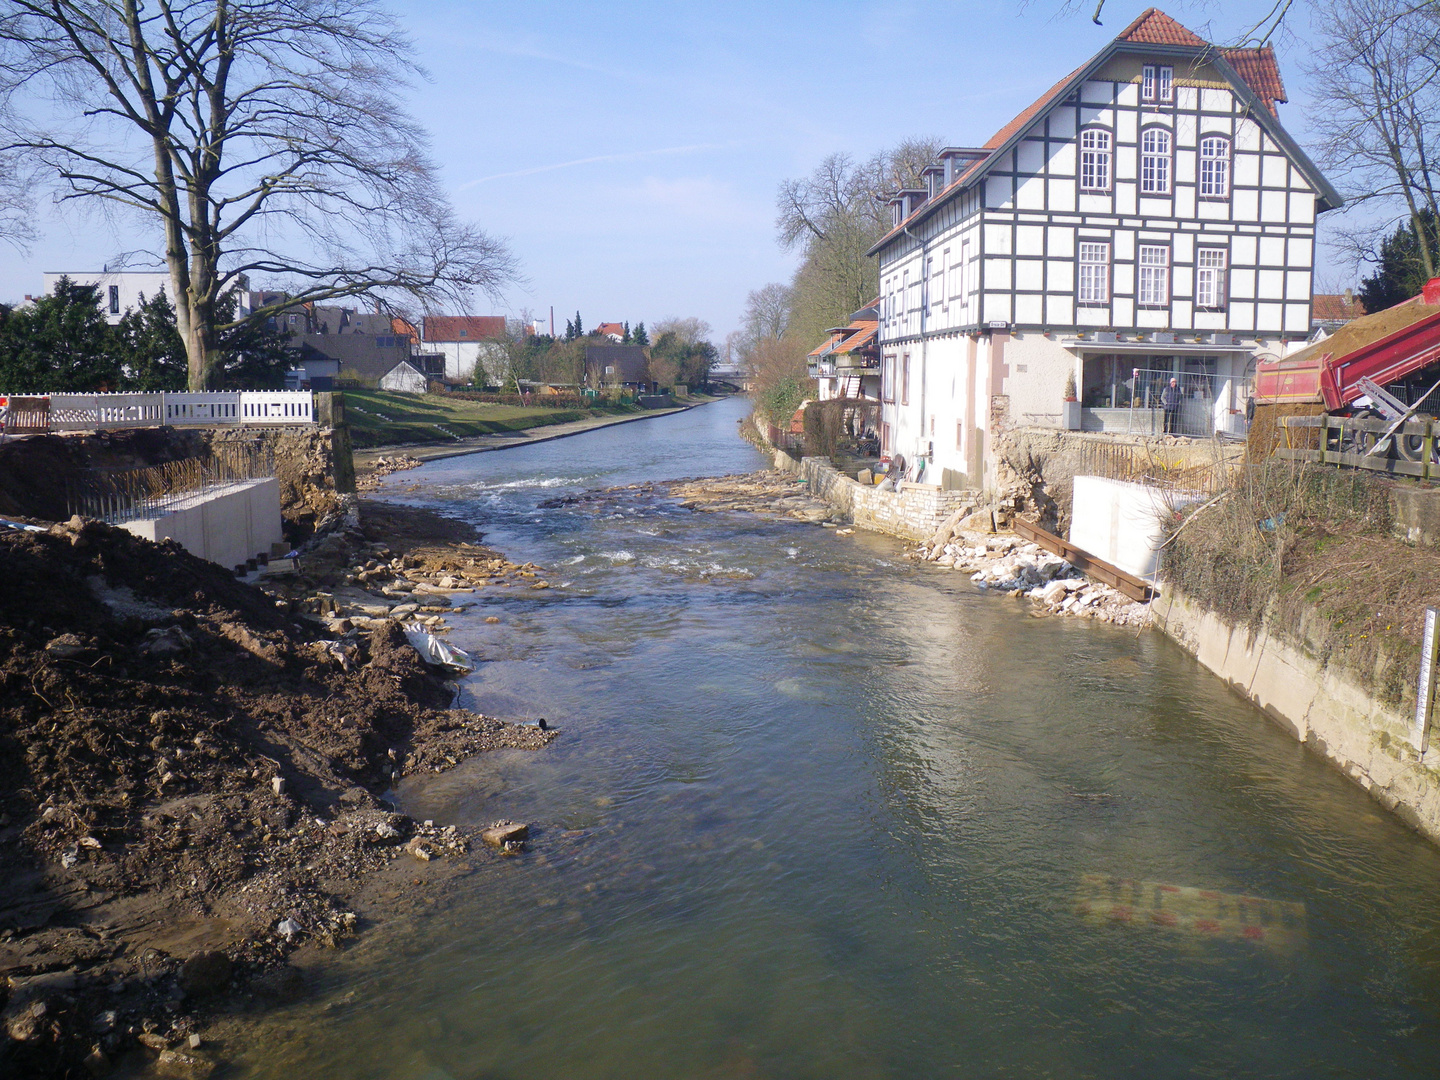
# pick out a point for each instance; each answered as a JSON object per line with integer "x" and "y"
{"x": 630, "y": 152}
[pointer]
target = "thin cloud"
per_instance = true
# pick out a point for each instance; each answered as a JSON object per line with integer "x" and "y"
{"x": 636, "y": 155}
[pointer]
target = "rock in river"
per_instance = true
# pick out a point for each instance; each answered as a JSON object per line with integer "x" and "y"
{"x": 506, "y": 832}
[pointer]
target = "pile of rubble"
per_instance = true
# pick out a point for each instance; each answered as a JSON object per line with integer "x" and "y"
{"x": 384, "y": 466}
{"x": 1010, "y": 565}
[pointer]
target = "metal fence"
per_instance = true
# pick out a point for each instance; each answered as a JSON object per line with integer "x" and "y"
{"x": 109, "y": 412}
{"x": 120, "y": 495}
{"x": 1202, "y": 404}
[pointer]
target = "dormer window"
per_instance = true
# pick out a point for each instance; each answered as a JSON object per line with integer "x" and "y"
{"x": 1157, "y": 84}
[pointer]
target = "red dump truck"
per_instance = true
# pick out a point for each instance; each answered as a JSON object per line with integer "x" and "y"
{"x": 1390, "y": 349}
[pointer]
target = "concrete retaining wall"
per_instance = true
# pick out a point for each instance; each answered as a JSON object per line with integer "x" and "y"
{"x": 1330, "y": 711}
{"x": 914, "y": 512}
{"x": 1121, "y": 522}
{"x": 227, "y": 526}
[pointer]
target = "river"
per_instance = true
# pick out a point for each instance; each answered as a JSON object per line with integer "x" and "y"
{"x": 819, "y": 812}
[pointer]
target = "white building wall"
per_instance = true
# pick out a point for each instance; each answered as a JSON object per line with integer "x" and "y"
{"x": 120, "y": 291}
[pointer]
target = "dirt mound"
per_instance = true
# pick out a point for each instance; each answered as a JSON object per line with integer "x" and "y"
{"x": 175, "y": 752}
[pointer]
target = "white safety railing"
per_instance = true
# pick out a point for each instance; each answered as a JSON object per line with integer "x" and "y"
{"x": 105, "y": 412}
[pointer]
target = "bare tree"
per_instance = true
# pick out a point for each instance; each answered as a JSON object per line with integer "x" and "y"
{"x": 1377, "y": 113}
{"x": 767, "y": 312}
{"x": 264, "y": 137}
{"x": 1262, "y": 30}
{"x": 834, "y": 215}
{"x": 688, "y": 331}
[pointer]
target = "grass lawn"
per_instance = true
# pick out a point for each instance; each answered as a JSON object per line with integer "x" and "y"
{"x": 381, "y": 418}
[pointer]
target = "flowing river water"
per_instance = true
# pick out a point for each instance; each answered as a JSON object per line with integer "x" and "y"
{"x": 819, "y": 812}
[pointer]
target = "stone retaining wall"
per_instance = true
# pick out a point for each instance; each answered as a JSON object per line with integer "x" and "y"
{"x": 1329, "y": 710}
{"x": 914, "y": 512}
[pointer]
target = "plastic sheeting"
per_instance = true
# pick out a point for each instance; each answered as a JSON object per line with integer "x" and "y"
{"x": 440, "y": 653}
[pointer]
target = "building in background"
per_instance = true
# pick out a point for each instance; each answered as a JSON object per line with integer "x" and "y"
{"x": 119, "y": 290}
{"x": 848, "y": 363}
{"x": 464, "y": 340}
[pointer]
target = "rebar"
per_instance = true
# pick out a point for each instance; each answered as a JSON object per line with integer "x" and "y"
{"x": 116, "y": 496}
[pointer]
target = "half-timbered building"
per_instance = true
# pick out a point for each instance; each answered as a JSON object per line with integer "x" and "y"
{"x": 1147, "y": 218}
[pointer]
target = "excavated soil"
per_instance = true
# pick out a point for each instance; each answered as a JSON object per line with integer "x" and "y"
{"x": 191, "y": 784}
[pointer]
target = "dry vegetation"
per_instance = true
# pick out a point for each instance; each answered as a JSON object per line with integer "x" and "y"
{"x": 1308, "y": 551}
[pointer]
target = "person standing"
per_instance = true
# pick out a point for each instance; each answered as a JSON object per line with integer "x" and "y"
{"x": 1170, "y": 402}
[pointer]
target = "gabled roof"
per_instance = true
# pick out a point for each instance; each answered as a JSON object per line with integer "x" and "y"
{"x": 611, "y": 328}
{"x": 1154, "y": 27}
{"x": 462, "y": 327}
{"x": 1252, "y": 73}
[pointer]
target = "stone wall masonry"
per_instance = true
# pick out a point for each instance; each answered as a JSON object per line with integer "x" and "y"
{"x": 914, "y": 512}
{"x": 1327, "y": 709}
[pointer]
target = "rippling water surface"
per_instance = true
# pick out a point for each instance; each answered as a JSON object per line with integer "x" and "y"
{"x": 817, "y": 812}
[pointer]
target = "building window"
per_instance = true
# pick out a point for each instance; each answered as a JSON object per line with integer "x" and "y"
{"x": 1094, "y": 278}
{"x": 1154, "y": 276}
{"x": 1210, "y": 277}
{"x": 905, "y": 379}
{"x": 114, "y": 299}
{"x": 887, "y": 377}
{"x": 1095, "y": 149}
{"x": 1155, "y": 161}
{"x": 945, "y": 280}
{"x": 1157, "y": 83}
{"x": 1214, "y": 167}
{"x": 927, "y": 286}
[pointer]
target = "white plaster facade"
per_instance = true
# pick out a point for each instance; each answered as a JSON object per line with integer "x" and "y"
{"x": 120, "y": 290}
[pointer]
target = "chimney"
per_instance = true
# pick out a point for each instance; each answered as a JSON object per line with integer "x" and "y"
{"x": 1431, "y": 293}
{"x": 1349, "y": 297}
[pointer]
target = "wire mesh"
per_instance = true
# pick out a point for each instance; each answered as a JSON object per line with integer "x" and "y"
{"x": 120, "y": 495}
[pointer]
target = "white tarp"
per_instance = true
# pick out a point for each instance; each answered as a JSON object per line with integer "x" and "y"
{"x": 440, "y": 653}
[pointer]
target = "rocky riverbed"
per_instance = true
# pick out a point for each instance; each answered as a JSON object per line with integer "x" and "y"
{"x": 193, "y": 771}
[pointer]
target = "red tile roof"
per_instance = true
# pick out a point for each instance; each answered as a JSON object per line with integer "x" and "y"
{"x": 1335, "y": 307}
{"x": 861, "y": 334}
{"x": 1154, "y": 27}
{"x": 1025, "y": 117}
{"x": 462, "y": 327}
{"x": 1260, "y": 72}
{"x": 611, "y": 328}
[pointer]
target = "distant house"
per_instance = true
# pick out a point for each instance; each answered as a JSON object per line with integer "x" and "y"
{"x": 613, "y": 330}
{"x": 847, "y": 364}
{"x": 464, "y": 340}
{"x": 617, "y": 366}
{"x": 1330, "y": 311}
{"x": 119, "y": 290}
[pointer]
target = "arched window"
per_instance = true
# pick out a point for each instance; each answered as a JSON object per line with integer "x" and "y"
{"x": 1155, "y": 161}
{"x": 1214, "y": 167}
{"x": 1095, "y": 154}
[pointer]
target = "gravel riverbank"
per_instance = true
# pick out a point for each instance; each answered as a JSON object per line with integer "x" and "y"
{"x": 193, "y": 772}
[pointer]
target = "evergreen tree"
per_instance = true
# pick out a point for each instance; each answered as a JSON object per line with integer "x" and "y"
{"x": 569, "y": 330}
{"x": 625, "y": 338}
{"x": 640, "y": 337}
{"x": 1400, "y": 271}
{"x": 150, "y": 349}
{"x": 579, "y": 330}
{"x": 59, "y": 343}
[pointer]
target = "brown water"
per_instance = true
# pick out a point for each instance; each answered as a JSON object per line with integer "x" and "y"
{"x": 818, "y": 812}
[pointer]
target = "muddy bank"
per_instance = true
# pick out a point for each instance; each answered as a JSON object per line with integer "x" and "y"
{"x": 192, "y": 774}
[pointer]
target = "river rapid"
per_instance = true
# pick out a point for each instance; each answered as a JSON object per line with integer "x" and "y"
{"x": 820, "y": 812}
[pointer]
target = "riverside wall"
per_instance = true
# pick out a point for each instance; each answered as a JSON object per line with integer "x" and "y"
{"x": 1329, "y": 710}
{"x": 914, "y": 512}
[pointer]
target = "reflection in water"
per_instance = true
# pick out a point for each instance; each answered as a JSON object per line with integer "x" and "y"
{"x": 824, "y": 813}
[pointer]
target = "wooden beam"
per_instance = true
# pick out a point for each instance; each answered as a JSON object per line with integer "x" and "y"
{"x": 1135, "y": 588}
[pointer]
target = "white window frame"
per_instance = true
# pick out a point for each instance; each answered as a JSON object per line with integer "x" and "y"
{"x": 1155, "y": 164}
{"x": 945, "y": 280}
{"x": 1098, "y": 158}
{"x": 1152, "y": 275}
{"x": 1211, "y": 266}
{"x": 1092, "y": 278}
{"x": 887, "y": 378}
{"x": 1157, "y": 83}
{"x": 1214, "y": 172}
{"x": 927, "y": 288}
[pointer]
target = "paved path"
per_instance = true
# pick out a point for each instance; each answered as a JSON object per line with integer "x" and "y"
{"x": 529, "y": 436}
